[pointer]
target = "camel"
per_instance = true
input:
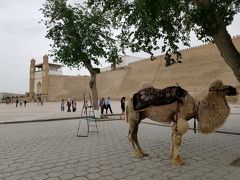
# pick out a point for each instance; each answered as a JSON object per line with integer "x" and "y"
{"x": 211, "y": 113}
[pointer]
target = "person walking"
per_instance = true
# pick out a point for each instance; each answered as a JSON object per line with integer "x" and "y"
{"x": 62, "y": 105}
{"x": 123, "y": 107}
{"x": 108, "y": 104}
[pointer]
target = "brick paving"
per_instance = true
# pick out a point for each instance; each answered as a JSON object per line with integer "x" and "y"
{"x": 50, "y": 110}
{"x": 51, "y": 150}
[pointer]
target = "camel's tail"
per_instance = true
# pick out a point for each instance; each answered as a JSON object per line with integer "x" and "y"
{"x": 128, "y": 107}
{"x": 130, "y": 113}
{"x": 126, "y": 115}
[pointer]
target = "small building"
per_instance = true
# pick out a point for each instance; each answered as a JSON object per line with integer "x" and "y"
{"x": 48, "y": 83}
{"x": 126, "y": 59}
{"x": 39, "y": 77}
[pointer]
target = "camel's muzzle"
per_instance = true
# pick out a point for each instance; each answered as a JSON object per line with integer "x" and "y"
{"x": 230, "y": 91}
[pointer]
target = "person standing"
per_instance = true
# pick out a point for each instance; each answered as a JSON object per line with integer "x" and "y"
{"x": 108, "y": 104}
{"x": 16, "y": 102}
{"x": 123, "y": 107}
{"x": 69, "y": 105}
{"x": 74, "y": 105}
{"x": 102, "y": 104}
{"x": 62, "y": 105}
{"x": 25, "y": 103}
{"x": 85, "y": 106}
{"x": 38, "y": 101}
{"x": 42, "y": 102}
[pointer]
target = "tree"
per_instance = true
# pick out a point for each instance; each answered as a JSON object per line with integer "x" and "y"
{"x": 145, "y": 22}
{"x": 80, "y": 36}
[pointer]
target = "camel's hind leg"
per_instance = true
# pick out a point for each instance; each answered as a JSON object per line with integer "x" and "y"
{"x": 137, "y": 143}
{"x": 178, "y": 130}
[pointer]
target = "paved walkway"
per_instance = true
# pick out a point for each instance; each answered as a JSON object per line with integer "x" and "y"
{"x": 51, "y": 150}
{"x": 50, "y": 110}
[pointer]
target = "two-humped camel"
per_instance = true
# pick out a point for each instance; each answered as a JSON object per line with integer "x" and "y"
{"x": 211, "y": 114}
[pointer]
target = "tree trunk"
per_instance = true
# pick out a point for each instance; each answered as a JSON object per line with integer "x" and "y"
{"x": 93, "y": 86}
{"x": 228, "y": 51}
{"x": 224, "y": 42}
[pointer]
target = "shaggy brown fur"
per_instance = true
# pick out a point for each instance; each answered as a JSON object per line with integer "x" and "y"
{"x": 212, "y": 113}
{"x": 213, "y": 110}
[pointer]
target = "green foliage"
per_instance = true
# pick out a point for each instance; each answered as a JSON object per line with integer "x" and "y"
{"x": 144, "y": 23}
{"x": 80, "y": 36}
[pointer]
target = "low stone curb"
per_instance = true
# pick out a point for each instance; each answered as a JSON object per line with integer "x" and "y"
{"x": 53, "y": 119}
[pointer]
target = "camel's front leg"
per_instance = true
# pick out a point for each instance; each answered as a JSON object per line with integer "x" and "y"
{"x": 172, "y": 144}
{"x": 180, "y": 129}
{"x": 137, "y": 143}
{"x": 132, "y": 136}
{"x": 177, "y": 140}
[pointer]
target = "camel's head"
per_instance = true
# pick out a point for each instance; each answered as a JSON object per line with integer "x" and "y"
{"x": 218, "y": 86}
{"x": 230, "y": 91}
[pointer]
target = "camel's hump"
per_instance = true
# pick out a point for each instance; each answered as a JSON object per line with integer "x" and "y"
{"x": 156, "y": 97}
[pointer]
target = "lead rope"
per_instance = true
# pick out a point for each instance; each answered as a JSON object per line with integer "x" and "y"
{"x": 195, "y": 118}
{"x": 194, "y": 128}
{"x": 177, "y": 111}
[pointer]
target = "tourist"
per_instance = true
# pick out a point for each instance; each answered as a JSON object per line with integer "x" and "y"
{"x": 62, "y": 105}
{"x": 102, "y": 104}
{"x": 16, "y": 102}
{"x": 38, "y": 101}
{"x": 85, "y": 106}
{"x": 20, "y": 102}
{"x": 123, "y": 107}
{"x": 108, "y": 104}
{"x": 25, "y": 103}
{"x": 69, "y": 105}
{"x": 74, "y": 105}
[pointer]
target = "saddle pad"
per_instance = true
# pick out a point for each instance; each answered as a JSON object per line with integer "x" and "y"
{"x": 156, "y": 97}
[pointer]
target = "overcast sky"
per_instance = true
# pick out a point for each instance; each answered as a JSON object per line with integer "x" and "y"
{"x": 23, "y": 38}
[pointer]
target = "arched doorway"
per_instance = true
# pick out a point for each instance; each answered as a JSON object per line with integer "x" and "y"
{"x": 39, "y": 87}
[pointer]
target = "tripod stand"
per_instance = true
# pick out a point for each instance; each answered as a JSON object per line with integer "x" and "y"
{"x": 87, "y": 115}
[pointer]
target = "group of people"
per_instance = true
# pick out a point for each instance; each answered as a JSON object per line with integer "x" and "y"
{"x": 40, "y": 101}
{"x": 105, "y": 104}
{"x": 71, "y": 105}
{"x": 20, "y": 102}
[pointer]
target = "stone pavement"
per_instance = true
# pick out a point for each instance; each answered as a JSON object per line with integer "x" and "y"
{"x": 51, "y": 150}
{"x": 49, "y": 111}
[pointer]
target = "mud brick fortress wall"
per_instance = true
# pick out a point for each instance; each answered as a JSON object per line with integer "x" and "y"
{"x": 200, "y": 66}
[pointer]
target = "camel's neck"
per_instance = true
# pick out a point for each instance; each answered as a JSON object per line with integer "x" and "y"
{"x": 213, "y": 112}
{"x": 216, "y": 100}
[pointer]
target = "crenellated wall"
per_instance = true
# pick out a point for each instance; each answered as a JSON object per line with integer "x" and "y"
{"x": 64, "y": 87}
{"x": 200, "y": 66}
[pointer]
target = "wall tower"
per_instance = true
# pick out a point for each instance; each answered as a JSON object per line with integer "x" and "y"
{"x": 45, "y": 77}
{"x": 31, "y": 78}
